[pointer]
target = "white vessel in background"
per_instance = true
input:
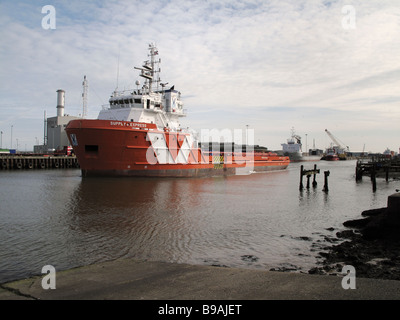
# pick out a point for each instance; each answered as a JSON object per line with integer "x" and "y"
{"x": 293, "y": 149}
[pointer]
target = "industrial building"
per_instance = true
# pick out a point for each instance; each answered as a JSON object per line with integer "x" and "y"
{"x": 55, "y": 137}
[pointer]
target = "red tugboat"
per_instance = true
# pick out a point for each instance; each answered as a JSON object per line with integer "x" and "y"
{"x": 139, "y": 134}
{"x": 331, "y": 155}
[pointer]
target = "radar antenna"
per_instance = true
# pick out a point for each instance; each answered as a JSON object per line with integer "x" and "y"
{"x": 149, "y": 69}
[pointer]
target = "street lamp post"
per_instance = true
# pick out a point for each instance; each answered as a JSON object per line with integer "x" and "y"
{"x": 247, "y": 135}
{"x": 11, "y": 135}
{"x": 306, "y": 145}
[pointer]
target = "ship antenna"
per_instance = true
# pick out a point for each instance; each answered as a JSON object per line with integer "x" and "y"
{"x": 84, "y": 97}
{"x": 151, "y": 47}
{"x": 153, "y": 53}
{"x": 119, "y": 51}
{"x": 147, "y": 69}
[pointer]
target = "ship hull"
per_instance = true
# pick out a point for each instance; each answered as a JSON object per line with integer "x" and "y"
{"x": 122, "y": 148}
{"x": 297, "y": 157}
{"x": 331, "y": 158}
{"x": 174, "y": 173}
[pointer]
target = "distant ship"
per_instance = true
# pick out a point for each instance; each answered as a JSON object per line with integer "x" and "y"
{"x": 331, "y": 155}
{"x": 139, "y": 134}
{"x": 335, "y": 151}
{"x": 293, "y": 149}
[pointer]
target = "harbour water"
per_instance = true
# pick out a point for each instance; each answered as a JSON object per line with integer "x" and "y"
{"x": 262, "y": 220}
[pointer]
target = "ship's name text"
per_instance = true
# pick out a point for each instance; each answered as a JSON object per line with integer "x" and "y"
{"x": 128, "y": 124}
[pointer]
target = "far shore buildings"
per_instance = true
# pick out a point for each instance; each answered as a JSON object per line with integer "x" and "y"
{"x": 55, "y": 136}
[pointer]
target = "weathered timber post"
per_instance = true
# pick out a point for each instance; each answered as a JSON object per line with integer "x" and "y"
{"x": 373, "y": 177}
{"x": 326, "y": 188}
{"x": 387, "y": 173}
{"x": 308, "y": 173}
{"x": 314, "y": 184}
{"x": 358, "y": 171}
{"x": 301, "y": 178}
{"x": 308, "y": 181}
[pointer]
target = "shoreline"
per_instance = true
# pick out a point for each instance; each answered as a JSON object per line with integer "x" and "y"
{"x": 370, "y": 244}
{"x": 128, "y": 279}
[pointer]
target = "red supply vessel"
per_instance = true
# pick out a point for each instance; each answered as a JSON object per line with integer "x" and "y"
{"x": 139, "y": 134}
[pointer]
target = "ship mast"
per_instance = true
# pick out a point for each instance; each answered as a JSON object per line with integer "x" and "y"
{"x": 84, "y": 97}
{"x": 148, "y": 69}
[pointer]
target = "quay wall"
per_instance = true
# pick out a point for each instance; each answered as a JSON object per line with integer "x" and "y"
{"x": 37, "y": 162}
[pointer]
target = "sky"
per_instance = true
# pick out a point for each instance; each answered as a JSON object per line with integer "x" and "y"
{"x": 269, "y": 65}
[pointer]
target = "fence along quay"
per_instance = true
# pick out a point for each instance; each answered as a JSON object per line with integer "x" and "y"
{"x": 19, "y": 162}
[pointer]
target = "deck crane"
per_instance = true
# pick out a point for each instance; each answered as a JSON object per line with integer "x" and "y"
{"x": 341, "y": 150}
{"x": 297, "y": 137}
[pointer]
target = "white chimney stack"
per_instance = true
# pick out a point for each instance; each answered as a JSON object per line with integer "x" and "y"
{"x": 60, "y": 102}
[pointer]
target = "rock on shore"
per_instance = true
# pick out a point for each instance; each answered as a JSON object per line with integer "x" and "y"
{"x": 371, "y": 244}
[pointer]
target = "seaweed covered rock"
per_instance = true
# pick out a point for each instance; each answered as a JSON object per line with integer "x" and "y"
{"x": 383, "y": 223}
{"x": 371, "y": 244}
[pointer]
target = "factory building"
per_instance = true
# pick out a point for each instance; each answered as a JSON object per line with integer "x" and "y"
{"x": 55, "y": 137}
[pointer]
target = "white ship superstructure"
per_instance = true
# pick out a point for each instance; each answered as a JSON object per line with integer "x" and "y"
{"x": 151, "y": 103}
{"x": 293, "y": 149}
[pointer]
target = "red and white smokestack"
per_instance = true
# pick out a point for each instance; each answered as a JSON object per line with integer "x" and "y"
{"x": 60, "y": 102}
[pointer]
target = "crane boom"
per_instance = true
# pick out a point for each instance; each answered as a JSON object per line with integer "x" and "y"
{"x": 332, "y": 137}
{"x": 335, "y": 140}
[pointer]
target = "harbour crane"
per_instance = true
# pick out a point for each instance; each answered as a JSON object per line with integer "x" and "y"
{"x": 338, "y": 144}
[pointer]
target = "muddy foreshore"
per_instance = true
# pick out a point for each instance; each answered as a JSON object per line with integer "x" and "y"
{"x": 371, "y": 245}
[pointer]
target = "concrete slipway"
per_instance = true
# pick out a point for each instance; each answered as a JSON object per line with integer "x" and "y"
{"x": 150, "y": 280}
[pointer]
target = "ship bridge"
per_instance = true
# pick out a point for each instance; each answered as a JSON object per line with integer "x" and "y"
{"x": 147, "y": 104}
{"x": 168, "y": 101}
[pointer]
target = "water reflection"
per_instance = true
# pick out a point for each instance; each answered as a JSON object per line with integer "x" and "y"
{"x": 145, "y": 218}
{"x": 258, "y": 221}
{"x": 210, "y": 220}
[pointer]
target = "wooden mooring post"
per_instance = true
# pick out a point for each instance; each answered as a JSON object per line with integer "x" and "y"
{"x": 378, "y": 168}
{"x": 373, "y": 177}
{"x": 308, "y": 173}
{"x": 326, "y": 175}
